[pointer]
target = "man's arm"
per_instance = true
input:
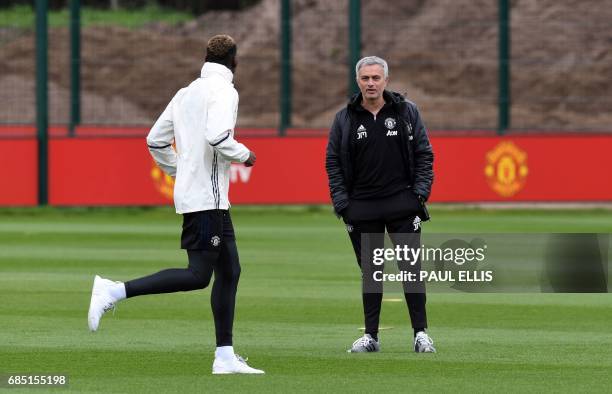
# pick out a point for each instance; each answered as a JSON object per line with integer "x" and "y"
{"x": 220, "y": 123}
{"x": 423, "y": 157}
{"x": 160, "y": 140}
{"x": 337, "y": 185}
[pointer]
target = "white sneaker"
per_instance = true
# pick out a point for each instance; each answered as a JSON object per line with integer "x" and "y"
{"x": 101, "y": 301}
{"x": 365, "y": 344}
{"x": 235, "y": 364}
{"x": 423, "y": 343}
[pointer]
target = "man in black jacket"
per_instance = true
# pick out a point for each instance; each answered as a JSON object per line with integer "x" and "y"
{"x": 380, "y": 167}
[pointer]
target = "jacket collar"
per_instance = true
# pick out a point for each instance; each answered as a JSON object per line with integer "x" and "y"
{"x": 216, "y": 69}
{"x": 394, "y": 98}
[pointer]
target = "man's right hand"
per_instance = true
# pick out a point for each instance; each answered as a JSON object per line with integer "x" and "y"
{"x": 250, "y": 162}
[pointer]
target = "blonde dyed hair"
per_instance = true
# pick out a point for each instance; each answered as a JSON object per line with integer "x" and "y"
{"x": 220, "y": 47}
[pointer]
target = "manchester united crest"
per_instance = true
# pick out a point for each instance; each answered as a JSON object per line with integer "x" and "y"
{"x": 390, "y": 123}
{"x": 506, "y": 169}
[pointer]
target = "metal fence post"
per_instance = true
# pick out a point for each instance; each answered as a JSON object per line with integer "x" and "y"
{"x": 504, "y": 98}
{"x": 42, "y": 100}
{"x": 285, "y": 60}
{"x": 75, "y": 65}
{"x": 354, "y": 43}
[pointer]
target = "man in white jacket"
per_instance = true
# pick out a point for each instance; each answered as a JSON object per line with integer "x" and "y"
{"x": 200, "y": 121}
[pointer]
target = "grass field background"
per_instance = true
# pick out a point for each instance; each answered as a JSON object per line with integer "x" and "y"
{"x": 24, "y": 17}
{"x": 298, "y": 310}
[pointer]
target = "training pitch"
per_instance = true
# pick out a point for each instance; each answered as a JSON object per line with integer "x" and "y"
{"x": 298, "y": 310}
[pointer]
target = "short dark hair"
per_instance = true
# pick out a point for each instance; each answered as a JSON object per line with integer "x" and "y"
{"x": 221, "y": 49}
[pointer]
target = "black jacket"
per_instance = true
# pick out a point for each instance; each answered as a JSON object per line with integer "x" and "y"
{"x": 418, "y": 157}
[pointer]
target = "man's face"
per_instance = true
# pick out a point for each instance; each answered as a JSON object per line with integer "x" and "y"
{"x": 371, "y": 81}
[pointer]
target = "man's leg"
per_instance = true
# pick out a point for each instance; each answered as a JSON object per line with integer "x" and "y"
{"x": 201, "y": 235}
{"x": 106, "y": 293}
{"x": 225, "y": 285}
{"x": 196, "y": 276}
{"x": 406, "y": 231}
{"x": 223, "y": 302}
{"x": 372, "y": 232}
{"x": 200, "y": 229}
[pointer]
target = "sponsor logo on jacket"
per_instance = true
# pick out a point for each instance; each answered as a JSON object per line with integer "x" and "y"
{"x": 361, "y": 132}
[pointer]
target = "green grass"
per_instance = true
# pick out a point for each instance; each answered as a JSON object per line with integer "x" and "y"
{"x": 298, "y": 310}
{"x": 21, "y": 16}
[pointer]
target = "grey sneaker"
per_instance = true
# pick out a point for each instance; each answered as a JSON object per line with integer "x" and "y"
{"x": 423, "y": 343}
{"x": 365, "y": 344}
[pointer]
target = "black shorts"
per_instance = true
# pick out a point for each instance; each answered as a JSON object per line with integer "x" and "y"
{"x": 206, "y": 230}
{"x": 399, "y": 205}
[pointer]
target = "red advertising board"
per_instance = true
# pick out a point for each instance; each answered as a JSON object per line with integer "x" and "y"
{"x": 524, "y": 168}
{"x": 291, "y": 170}
{"x": 101, "y": 171}
{"x": 19, "y": 164}
{"x": 112, "y": 171}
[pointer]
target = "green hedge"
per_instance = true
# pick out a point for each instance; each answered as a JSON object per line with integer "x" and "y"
{"x": 191, "y": 6}
{"x": 22, "y": 16}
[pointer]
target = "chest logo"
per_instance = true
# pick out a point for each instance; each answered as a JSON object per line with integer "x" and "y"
{"x": 361, "y": 132}
{"x": 390, "y": 123}
{"x": 391, "y": 133}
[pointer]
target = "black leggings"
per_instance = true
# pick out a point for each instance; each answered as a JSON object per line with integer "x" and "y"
{"x": 223, "y": 262}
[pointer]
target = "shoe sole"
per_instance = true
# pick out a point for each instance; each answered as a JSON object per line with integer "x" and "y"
{"x": 371, "y": 351}
{"x": 238, "y": 373}
{"x": 426, "y": 351}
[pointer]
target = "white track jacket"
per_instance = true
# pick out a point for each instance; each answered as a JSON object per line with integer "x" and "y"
{"x": 200, "y": 121}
